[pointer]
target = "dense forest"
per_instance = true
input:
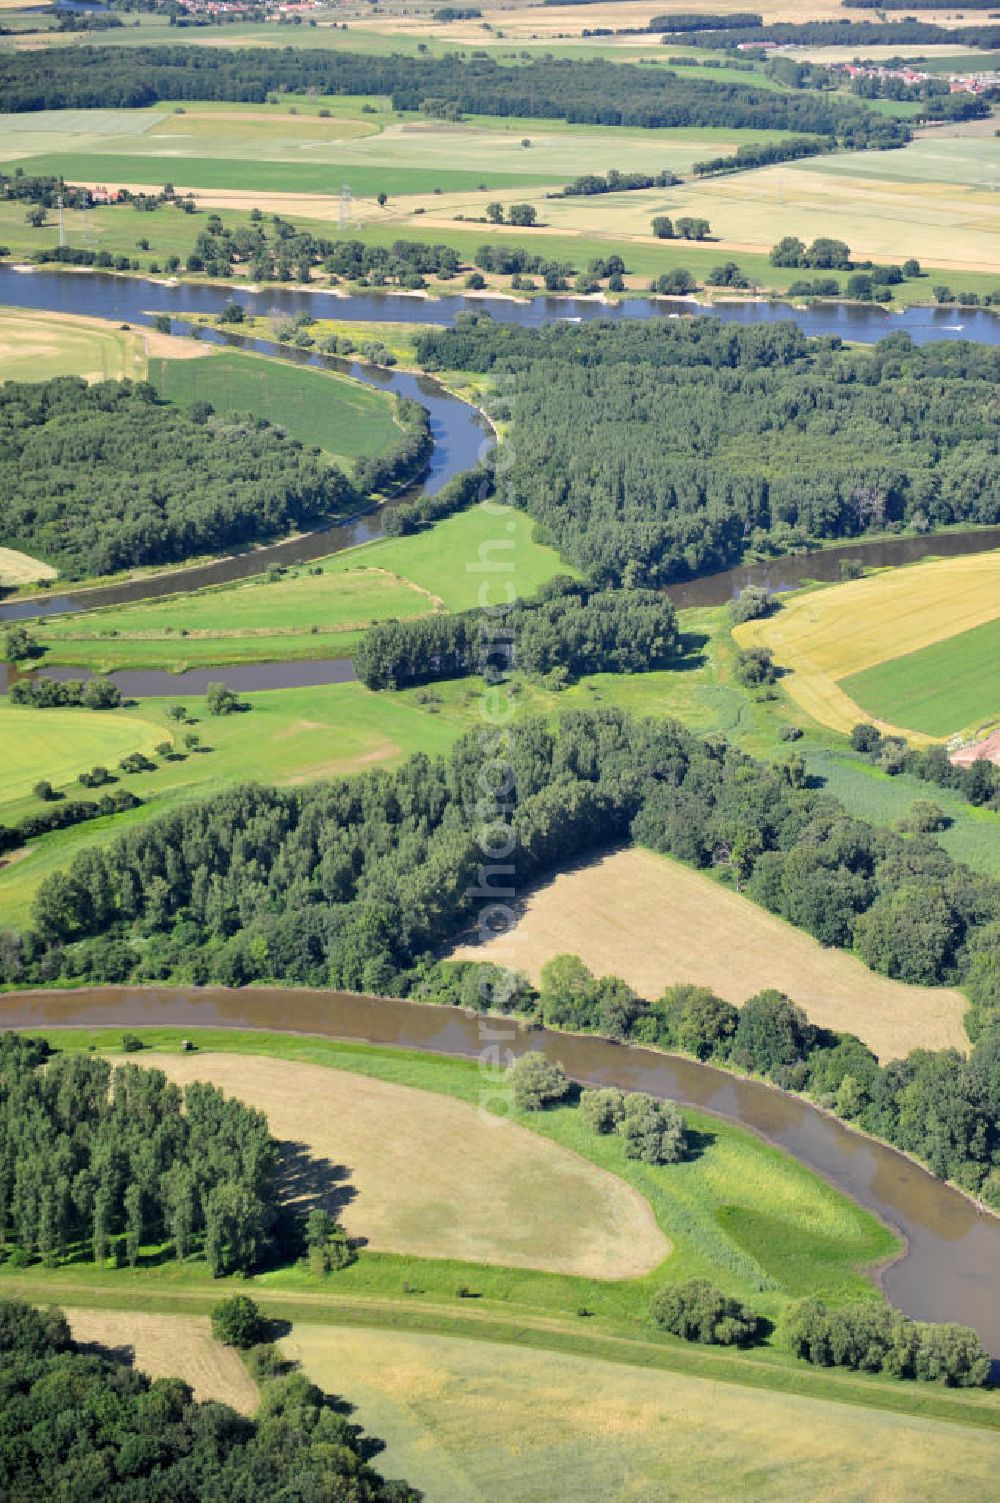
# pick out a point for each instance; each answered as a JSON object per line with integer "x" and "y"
{"x": 113, "y": 1160}
{"x": 654, "y": 450}
{"x": 359, "y": 883}
{"x": 98, "y": 478}
{"x": 79, "y": 1425}
{"x": 591, "y": 91}
{"x": 567, "y": 630}
{"x": 847, "y": 33}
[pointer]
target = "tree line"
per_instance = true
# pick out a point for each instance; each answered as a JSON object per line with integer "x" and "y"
{"x": 847, "y": 33}
{"x": 274, "y": 249}
{"x": 944, "y": 1107}
{"x": 78, "y": 1424}
{"x": 653, "y": 451}
{"x": 359, "y": 883}
{"x": 764, "y": 154}
{"x": 592, "y": 183}
{"x": 111, "y": 1160}
{"x": 566, "y": 631}
{"x": 103, "y": 477}
{"x": 589, "y": 91}
{"x": 63, "y": 814}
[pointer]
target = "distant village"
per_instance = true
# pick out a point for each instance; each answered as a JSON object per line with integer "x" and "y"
{"x": 958, "y": 83}
{"x": 258, "y": 9}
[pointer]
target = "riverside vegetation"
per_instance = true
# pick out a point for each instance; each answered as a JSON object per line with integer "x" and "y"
{"x": 356, "y": 884}
{"x": 141, "y": 482}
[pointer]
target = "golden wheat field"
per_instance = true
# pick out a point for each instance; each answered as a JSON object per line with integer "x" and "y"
{"x": 824, "y": 636}
{"x": 655, "y": 922}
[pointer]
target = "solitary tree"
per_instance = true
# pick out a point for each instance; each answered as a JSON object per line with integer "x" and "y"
{"x": 237, "y": 1321}
{"x": 535, "y": 1081}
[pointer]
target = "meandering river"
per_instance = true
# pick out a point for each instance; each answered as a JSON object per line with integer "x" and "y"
{"x": 951, "y": 1268}
{"x": 460, "y": 433}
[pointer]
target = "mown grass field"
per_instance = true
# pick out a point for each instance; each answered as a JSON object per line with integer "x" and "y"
{"x": 170, "y": 1346}
{"x": 36, "y": 346}
{"x": 265, "y": 620}
{"x": 736, "y": 1210}
{"x": 21, "y": 569}
{"x": 466, "y": 1420}
{"x": 821, "y": 638}
{"x": 938, "y": 690}
{"x": 58, "y": 744}
{"x": 343, "y": 417}
{"x": 935, "y": 199}
{"x": 487, "y": 1191}
{"x": 655, "y": 922}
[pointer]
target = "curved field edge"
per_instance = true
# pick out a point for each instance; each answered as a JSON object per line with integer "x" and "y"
{"x": 710, "y": 1207}
{"x": 487, "y": 1189}
{"x": 821, "y": 638}
{"x": 399, "y": 576}
{"x": 941, "y": 690}
{"x": 656, "y": 922}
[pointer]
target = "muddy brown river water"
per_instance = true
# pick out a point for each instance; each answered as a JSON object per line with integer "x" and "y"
{"x": 951, "y": 1267}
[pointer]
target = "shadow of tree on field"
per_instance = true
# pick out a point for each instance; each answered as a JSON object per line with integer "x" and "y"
{"x": 312, "y": 1183}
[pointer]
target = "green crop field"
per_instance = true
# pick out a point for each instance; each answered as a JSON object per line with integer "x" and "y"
{"x": 264, "y": 176}
{"x": 948, "y": 687}
{"x": 239, "y": 148}
{"x": 972, "y": 836}
{"x": 345, "y": 418}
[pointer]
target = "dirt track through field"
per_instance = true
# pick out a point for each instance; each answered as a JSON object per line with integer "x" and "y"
{"x": 656, "y": 923}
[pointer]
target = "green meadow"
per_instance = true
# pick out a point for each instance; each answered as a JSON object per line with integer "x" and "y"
{"x": 951, "y": 686}
{"x": 313, "y": 611}
{"x": 252, "y": 176}
{"x": 345, "y": 418}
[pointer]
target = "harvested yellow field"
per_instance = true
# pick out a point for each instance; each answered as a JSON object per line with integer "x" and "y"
{"x": 950, "y": 223}
{"x": 824, "y": 636}
{"x": 467, "y": 1421}
{"x": 415, "y": 1172}
{"x": 535, "y": 21}
{"x": 35, "y": 346}
{"x": 19, "y": 569}
{"x": 170, "y": 1346}
{"x": 656, "y": 923}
